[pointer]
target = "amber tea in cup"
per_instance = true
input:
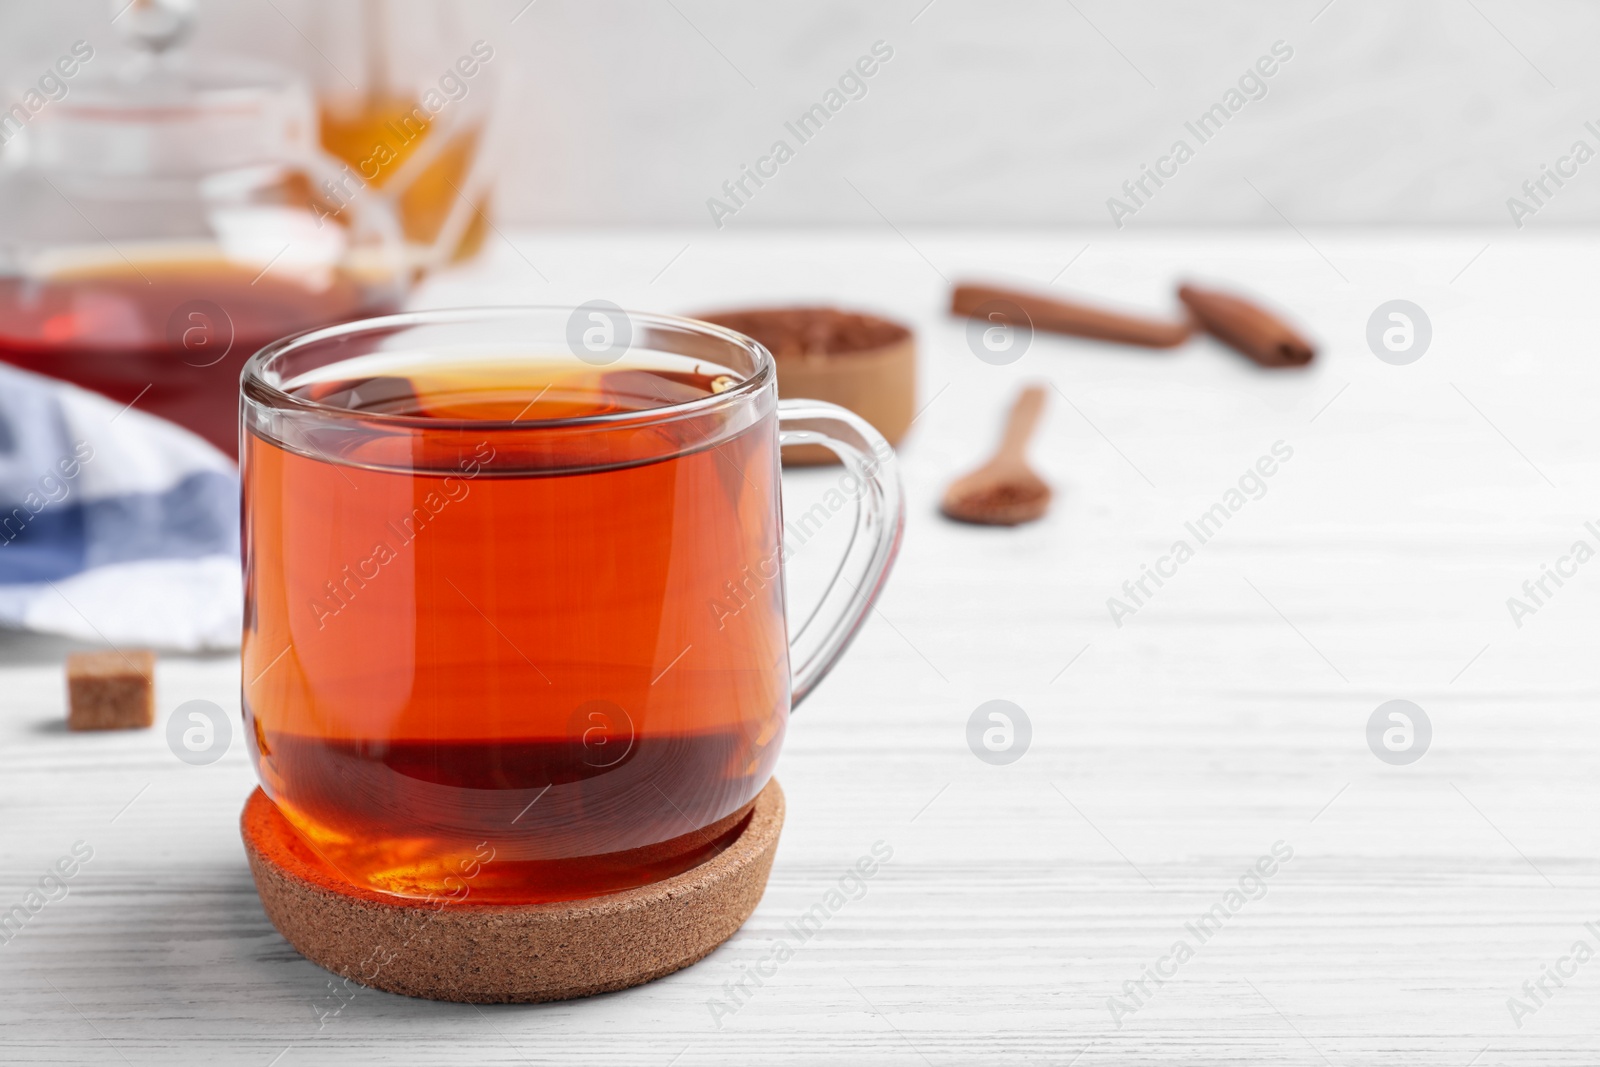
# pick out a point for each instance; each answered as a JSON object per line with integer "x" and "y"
{"x": 515, "y": 619}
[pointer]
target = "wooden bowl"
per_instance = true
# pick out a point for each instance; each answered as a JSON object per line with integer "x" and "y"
{"x": 858, "y": 361}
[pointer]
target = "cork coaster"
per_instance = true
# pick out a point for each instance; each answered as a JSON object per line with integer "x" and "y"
{"x": 506, "y": 953}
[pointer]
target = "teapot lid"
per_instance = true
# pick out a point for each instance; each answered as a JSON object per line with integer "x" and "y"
{"x": 156, "y": 110}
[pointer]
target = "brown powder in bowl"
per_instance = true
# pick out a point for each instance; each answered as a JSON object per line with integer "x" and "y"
{"x": 807, "y": 331}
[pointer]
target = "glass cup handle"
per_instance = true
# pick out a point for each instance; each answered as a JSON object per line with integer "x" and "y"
{"x": 872, "y": 479}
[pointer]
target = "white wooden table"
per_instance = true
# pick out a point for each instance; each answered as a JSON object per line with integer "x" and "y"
{"x": 1168, "y": 754}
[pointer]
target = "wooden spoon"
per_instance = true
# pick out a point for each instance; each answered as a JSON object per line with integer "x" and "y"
{"x": 1004, "y": 491}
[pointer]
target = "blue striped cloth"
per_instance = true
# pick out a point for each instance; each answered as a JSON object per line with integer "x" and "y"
{"x": 115, "y": 525}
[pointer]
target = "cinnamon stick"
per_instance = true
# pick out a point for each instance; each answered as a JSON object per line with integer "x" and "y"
{"x": 1079, "y": 320}
{"x": 1248, "y": 328}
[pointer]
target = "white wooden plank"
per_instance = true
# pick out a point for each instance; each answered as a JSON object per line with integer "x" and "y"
{"x": 1168, "y": 756}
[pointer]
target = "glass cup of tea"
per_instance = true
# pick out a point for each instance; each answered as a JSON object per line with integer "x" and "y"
{"x": 515, "y": 608}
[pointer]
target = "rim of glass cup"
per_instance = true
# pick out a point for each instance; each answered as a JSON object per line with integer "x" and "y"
{"x": 255, "y": 387}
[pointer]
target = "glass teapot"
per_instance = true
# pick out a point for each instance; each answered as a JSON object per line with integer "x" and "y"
{"x": 168, "y": 216}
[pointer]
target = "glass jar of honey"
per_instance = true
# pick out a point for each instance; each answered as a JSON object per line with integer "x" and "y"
{"x": 168, "y": 216}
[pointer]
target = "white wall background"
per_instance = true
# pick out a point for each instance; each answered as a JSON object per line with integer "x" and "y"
{"x": 1002, "y": 111}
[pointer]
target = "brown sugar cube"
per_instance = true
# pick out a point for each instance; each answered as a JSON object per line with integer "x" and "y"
{"x": 110, "y": 690}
